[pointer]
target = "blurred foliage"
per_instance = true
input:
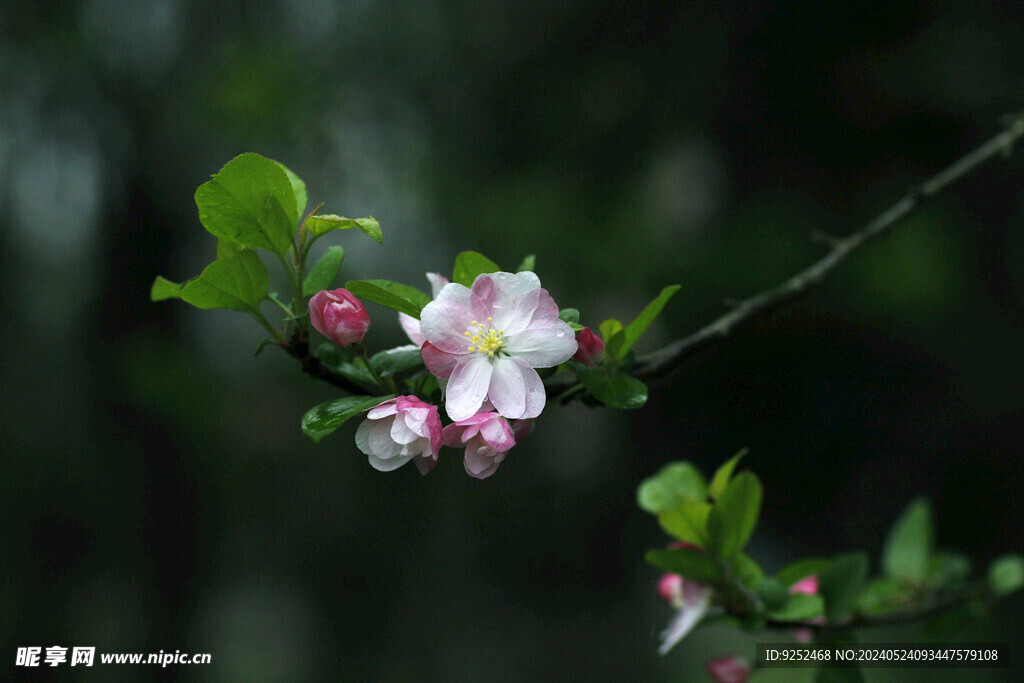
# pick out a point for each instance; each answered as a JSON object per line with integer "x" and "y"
{"x": 158, "y": 492}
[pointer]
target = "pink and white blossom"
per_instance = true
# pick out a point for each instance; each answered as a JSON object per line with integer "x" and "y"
{"x": 411, "y": 325}
{"x": 399, "y": 430}
{"x": 487, "y": 341}
{"x": 339, "y": 316}
{"x": 487, "y": 438}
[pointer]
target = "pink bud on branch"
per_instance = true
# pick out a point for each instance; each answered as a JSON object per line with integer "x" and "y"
{"x": 339, "y": 316}
{"x": 591, "y": 349}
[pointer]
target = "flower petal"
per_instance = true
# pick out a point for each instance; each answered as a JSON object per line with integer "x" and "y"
{"x": 687, "y": 617}
{"x": 424, "y": 465}
{"x": 444, "y": 320}
{"x": 380, "y": 441}
{"x": 543, "y": 345}
{"x": 437, "y": 281}
{"x": 411, "y": 326}
{"x": 536, "y": 395}
{"x": 511, "y": 297}
{"x": 452, "y": 435}
{"x": 467, "y": 387}
{"x": 522, "y": 428}
{"x": 546, "y": 309}
{"x": 479, "y": 463}
{"x": 498, "y": 434}
{"x": 382, "y": 410}
{"x": 439, "y": 363}
{"x": 401, "y": 433}
{"x": 363, "y": 435}
{"x": 508, "y": 389}
{"x": 388, "y": 464}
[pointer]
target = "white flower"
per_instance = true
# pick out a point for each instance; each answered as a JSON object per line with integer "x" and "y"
{"x": 486, "y": 341}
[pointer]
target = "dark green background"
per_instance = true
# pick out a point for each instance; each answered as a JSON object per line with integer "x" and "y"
{"x": 157, "y": 493}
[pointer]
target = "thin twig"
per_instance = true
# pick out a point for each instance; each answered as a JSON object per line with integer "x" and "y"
{"x": 664, "y": 360}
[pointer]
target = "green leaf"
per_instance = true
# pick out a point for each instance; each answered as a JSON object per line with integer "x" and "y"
{"x": 226, "y": 248}
{"x": 1006, "y": 574}
{"x": 841, "y": 583}
{"x": 250, "y": 201}
{"x": 528, "y": 263}
{"x": 569, "y": 315}
{"x": 747, "y": 571}
{"x": 617, "y": 391}
{"x": 318, "y": 226}
{"x": 469, "y": 264}
{"x": 340, "y": 360}
{"x": 397, "y": 360}
{"x": 799, "y": 607}
{"x": 908, "y": 548}
{"x": 690, "y": 564}
{"x": 394, "y": 295}
{"x": 673, "y": 485}
{"x": 734, "y": 516}
{"x": 723, "y": 475}
{"x": 947, "y": 570}
{"x": 298, "y": 191}
{"x": 773, "y": 593}
{"x": 801, "y": 570}
{"x": 619, "y": 344}
{"x": 608, "y": 329}
{"x": 359, "y": 375}
{"x": 164, "y": 289}
{"x": 688, "y": 522}
{"x": 326, "y": 417}
{"x": 238, "y": 283}
{"x": 323, "y": 273}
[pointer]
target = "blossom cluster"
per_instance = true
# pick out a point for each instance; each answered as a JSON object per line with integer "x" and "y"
{"x": 484, "y": 345}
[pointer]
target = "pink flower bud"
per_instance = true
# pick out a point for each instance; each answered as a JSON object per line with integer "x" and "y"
{"x": 590, "y": 350}
{"x": 807, "y": 585}
{"x": 729, "y": 670}
{"x": 339, "y": 316}
{"x": 670, "y": 588}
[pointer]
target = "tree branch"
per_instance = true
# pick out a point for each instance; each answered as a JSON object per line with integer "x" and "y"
{"x": 298, "y": 348}
{"x": 933, "y": 608}
{"x": 668, "y": 358}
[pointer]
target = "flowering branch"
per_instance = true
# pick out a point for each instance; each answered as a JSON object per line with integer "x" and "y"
{"x": 710, "y": 578}
{"x": 668, "y": 358}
